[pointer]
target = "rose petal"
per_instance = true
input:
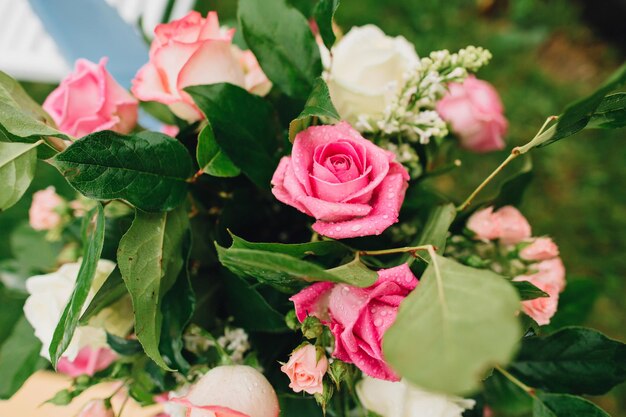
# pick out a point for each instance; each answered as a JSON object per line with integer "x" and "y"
{"x": 286, "y": 188}
{"x": 313, "y": 301}
{"x": 333, "y": 212}
{"x": 339, "y": 191}
{"x": 211, "y": 62}
{"x": 385, "y": 209}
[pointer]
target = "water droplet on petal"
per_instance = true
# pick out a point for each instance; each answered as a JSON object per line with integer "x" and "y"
{"x": 378, "y": 322}
{"x": 338, "y": 228}
{"x": 355, "y": 228}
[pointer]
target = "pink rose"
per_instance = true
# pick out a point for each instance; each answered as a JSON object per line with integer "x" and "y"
{"x": 540, "y": 249}
{"x": 89, "y": 100}
{"x": 170, "y": 130}
{"x": 359, "y": 317}
{"x": 87, "y": 362}
{"x": 305, "y": 371}
{"x": 97, "y": 408}
{"x": 231, "y": 391}
{"x": 551, "y": 271}
{"x": 541, "y": 309}
{"x": 255, "y": 80}
{"x": 351, "y": 186}
{"x": 42, "y": 214}
{"x": 193, "y": 51}
{"x": 514, "y": 227}
{"x": 475, "y": 112}
{"x": 484, "y": 224}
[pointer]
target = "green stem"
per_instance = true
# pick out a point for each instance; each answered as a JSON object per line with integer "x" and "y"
{"x": 520, "y": 384}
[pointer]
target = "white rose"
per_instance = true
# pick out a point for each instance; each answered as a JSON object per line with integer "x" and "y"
{"x": 367, "y": 70}
{"x": 50, "y": 293}
{"x": 399, "y": 399}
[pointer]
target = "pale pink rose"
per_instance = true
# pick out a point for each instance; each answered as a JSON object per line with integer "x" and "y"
{"x": 231, "y": 391}
{"x": 255, "y": 81}
{"x": 42, "y": 214}
{"x": 514, "y": 227}
{"x": 474, "y": 110}
{"x": 89, "y": 100}
{"x": 97, "y": 408}
{"x": 359, "y": 317}
{"x": 540, "y": 249}
{"x": 551, "y": 271}
{"x": 351, "y": 186}
{"x": 543, "y": 308}
{"x": 87, "y": 362}
{"x": 193, "y": 51}
{"x": 305, "y": 371}
{"x": 484, "y": 224}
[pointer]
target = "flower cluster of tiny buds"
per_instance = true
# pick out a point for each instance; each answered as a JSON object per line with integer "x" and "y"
{"x": 411, "y": 111}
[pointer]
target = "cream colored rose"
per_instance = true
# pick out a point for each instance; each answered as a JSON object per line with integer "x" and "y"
{"x": 49, "y": 295}
{"x": 367, "y": 70}
{"x": 400, "y": 399}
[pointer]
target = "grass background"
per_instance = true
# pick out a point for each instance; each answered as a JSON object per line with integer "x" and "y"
{"x": 545, "y": 55}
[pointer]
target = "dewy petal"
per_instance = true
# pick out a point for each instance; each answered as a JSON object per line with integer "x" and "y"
{"x": 385, "y": 209}
{"x": 313, "y": 301}
{"x": 286, "y": 187}
{"x": 339, "y": 191}
{"x": 333, "y": 212}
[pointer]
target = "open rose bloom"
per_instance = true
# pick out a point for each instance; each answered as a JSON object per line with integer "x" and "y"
{"x": 89, "y": 100}
{"x": 349, "y": 185}
{"x": 195, "y": 51}
{"x": 305, "y": 370}
{"x": 359, "y": 317}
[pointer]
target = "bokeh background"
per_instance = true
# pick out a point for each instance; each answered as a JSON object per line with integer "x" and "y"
{"x": 546, "y": 54}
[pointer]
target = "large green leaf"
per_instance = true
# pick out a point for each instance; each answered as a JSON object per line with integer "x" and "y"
{"x": 147, "y": 169}
{"x": 250, "y": 310}
{"x": 250, "y": 142}
{"x": 611, "y": 113}
{"x": 112, "y": 290}
{"x": 323, "y": 13}
{"x": 211, "y": 158}
{"x": 17, "y": 169}
{"x": 453, "y": 327}
{"x": 297, "y": 250}
{"x": 177, "y": 309}
{"x": 287, "y": 273}
{"x": 94, "y": 240}
{"x": 563, "y": 405}
{"x": 150, "y": 257}
{"x": 282, "y": 41}
{"x": 506, "y": 398}
{"x": 19, "y": 358}
{"x": 21, "y": 118}
{"x": 317, "y": 105}
{"x": 573, "y": 360}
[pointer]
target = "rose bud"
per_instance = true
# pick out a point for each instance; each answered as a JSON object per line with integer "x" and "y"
{"x": 306, "y": 370}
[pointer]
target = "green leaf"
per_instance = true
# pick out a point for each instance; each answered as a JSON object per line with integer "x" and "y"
{"x": 19, "y": 358}
{"x": 355, "y": 271}
{"x": 250, "y": 310}
{"x": 147, "y": 169}
{"x": 435, "y": 231}
{"x": 611, "y": 113}
{"x": 506, "y": 398}
{"x": 21, "y": 118}
{"x": 177, "y": 309}
{"x": 250, "y": 142}
{"x": 284, "y": 272}
{"x": 150, "y": 257}
{"x": 94, "y": 240}
{"x": 112, "y": 290}
{"x": 573, "y": 360}
{"x": 528, "y": 291}
{"x": 211, "y": 158}
{"x": 17, "y": 169}
{"x": 282, "y": 41}
{"x": 125, "y": 347}
{"x": 297, "y": 250}
{"x": 453, "y": 327}
{"x": 323, "y": 13}
{"x": 317, "y": 105}
{"x": 562, "y": 405}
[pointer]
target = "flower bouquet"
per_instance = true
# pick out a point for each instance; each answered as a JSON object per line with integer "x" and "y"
{"x": 281, "y": 246}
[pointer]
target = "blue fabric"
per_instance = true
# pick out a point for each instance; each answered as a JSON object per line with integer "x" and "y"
{"x": 92, "y": 29}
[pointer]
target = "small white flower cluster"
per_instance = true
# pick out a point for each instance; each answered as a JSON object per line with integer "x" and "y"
{"x": 235, "y": 342}
{"x": 411, "y": 112}
{"x": 406, "y": 155}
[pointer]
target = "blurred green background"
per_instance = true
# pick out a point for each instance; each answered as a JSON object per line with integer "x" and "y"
{"x": 546, "y": 54}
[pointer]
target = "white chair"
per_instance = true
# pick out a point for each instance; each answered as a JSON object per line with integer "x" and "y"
{"x": 28, "y": 53}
